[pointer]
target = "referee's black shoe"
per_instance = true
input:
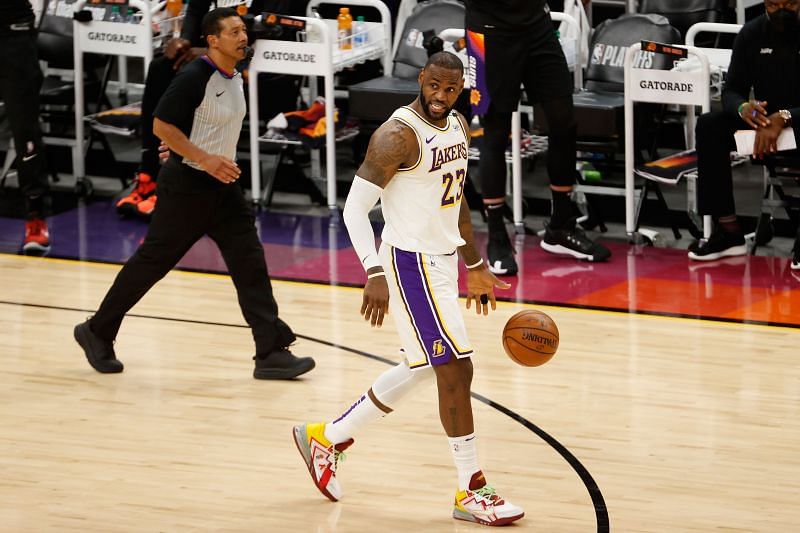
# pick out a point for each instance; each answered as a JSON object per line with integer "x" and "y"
{"x": 99, "y": 352}
{"x": 281, "y": 364}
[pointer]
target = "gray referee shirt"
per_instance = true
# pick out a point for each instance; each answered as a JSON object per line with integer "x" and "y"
{"x": 207, "y": 104}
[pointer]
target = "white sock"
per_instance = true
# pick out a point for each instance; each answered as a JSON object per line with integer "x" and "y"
{"x": 465, "y": 456}
{"x": 357, "y": 416}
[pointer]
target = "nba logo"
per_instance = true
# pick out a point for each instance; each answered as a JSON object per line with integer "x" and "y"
{"x": 597, "y": 54}
{"x": 438, "y": 349}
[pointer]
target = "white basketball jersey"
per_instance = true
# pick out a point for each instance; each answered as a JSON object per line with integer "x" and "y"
{"x": 422, "y": 202}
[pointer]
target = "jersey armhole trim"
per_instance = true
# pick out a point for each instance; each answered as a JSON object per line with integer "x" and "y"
{"x": 464, "y": 126}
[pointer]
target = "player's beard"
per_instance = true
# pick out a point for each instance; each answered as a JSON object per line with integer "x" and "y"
{"x": 426, "y": 110}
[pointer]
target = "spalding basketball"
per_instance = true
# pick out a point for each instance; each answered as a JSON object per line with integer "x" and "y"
{"x": 530, "y": 338}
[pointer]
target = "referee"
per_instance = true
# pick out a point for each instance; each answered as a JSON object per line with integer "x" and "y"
{"x": 20, "y": 83}
{"x": 200, "y": 118}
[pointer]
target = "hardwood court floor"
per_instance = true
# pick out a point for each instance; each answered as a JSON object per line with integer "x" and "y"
{"x": 683, "y": 425}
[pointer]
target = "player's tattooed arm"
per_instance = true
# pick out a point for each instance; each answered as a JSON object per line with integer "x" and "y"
{"x": 392, "y": 146}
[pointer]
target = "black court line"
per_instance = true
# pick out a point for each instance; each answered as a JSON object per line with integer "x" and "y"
{"x": 565, "y": 305}
{"x": 600, "y": 509}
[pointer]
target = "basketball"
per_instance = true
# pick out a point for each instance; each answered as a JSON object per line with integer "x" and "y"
{"x": 530, "y": 338}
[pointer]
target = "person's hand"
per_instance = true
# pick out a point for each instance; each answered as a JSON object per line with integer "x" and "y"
{"x": 755, "y": 114}
{"x": 188, "y": 56}
{"x": 767, "y": 137}
{"x": 176, "y": 47}
{"x": 480, "y": 287}
{"x": 163, "y": 152}
{"x": 221, "y": 168}
{"x": 375, "y": 304}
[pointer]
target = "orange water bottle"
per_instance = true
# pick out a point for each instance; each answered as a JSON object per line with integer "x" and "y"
{"x": 345, "y": 23}
{"x": 174, "y": 7}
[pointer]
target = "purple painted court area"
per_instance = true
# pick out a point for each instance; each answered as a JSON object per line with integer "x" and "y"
{"x": 301, "y": 247}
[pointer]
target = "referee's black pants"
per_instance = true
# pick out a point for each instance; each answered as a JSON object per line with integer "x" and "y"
{"x": 180, "y": 220}
{"x": 20, "y": 83}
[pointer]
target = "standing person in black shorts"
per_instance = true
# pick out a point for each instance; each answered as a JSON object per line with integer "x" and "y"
{"x": 513, "y": 43}
{"x": 200, "y": 119}
{"x": 20, "y": 82}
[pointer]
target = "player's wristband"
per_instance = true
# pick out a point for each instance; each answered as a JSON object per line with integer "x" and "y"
{"x": 479, "y": 263}
{"x": 376, "y": 274}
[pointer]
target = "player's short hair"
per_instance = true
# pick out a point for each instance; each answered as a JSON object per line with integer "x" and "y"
{"x": 446, "y": 60}
{"x": 211, "y": 25}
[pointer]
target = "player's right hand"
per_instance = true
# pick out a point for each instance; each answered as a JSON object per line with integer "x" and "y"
{"x": 375, "y": 304}
{"x": 221, "y": 168}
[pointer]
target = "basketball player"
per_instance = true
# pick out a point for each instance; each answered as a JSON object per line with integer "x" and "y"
{"x": 416, "y": 165}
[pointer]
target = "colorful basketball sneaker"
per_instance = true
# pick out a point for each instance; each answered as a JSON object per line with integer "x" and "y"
{"x": 321, "y": 457}
{"x": 480, "y": 503}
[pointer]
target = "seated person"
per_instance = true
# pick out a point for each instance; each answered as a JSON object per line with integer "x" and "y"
{"x": 765, "y": 59}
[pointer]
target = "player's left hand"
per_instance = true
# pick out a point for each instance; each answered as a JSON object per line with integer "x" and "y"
{"x": 480, "y": 287}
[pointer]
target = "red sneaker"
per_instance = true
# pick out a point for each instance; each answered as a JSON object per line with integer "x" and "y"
{"x": 143, "y": 188}
{"x": 37, "y": 237}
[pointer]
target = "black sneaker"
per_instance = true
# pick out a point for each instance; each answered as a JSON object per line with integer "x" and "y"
{"x": 281, "y": 364}
{"x": 99, "y": 353}
{"x": 571, "y": 240}
{"x": 500, "y": 255}
{"x": 796, "y": 254}
{"x": 720, "y": 244}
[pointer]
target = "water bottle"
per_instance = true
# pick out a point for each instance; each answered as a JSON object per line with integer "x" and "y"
{"x": 345, "y": 25}
{"x": 313, "y": 34}
{"x": 174, "y": 7}
{"x": 133, "y": 16}
{"x": 115, "y": 15}
{"x": 360, "y": 35}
